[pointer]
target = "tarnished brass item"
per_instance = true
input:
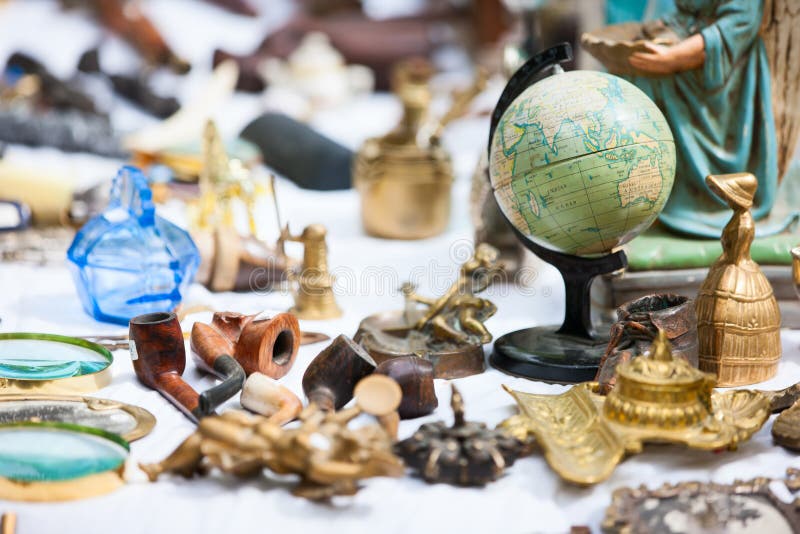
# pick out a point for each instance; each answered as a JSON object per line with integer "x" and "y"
{"x": 744, "y": 507}
{"x": 738, "y": 320}
{"x": 313, "y": 296}
{"x": 329, "y": 457}
{"x": 464, "y": 454}
{"x": 448, "y": 330}
{"x": 786, "y": 428}
{"x": 658, "y": 398}
{"x": 796, "y": 269}
{"x": 405, "y": 177}
{"x": 231, "y": 259}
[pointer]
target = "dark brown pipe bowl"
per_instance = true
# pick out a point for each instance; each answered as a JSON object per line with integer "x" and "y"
{"x": 415, "y": 376}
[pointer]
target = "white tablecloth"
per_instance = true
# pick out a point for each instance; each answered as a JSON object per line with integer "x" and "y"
{"x": 530, "y": 498}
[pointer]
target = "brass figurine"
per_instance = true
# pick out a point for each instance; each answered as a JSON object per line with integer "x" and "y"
{"x": 738, "y": 320}
{"x": 405, "y": 177}
{"x": 329, "y": 457}
{"x": 313, "y": 296}
{"x": 464, "y": 454}
{"x": 657, "y": 398}
{"x": 786, "y": 428}
{"x": 228, "y": 256}
{"x": 448, "y": 330}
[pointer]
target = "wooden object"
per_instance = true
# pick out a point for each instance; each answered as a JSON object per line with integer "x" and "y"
{"x": 332, "y": 376}
{"x": 380, "y": 396}
{"x": 738, "y": 320}
{"x": 220, "y": 364}
{"x": 415, "y": 377}
{"x": 265, "y": 396}
{"x": 159, "y": 359}
{"x": 265, "y": 345}
{"x": 8, "y": 524}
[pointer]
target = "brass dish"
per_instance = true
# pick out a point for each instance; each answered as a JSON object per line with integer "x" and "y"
{"x": 658, "y": 399}
{"x": 130, "y": 422}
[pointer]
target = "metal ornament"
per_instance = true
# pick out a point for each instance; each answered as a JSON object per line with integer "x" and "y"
{"x": 746, "y": 507}
{"x": 658, "y": 398}
{"x": 329, "y": 457}
{"x": 786, "y": 428}
{"x": 448, "y": 331}
{"x": 464, "y": 454}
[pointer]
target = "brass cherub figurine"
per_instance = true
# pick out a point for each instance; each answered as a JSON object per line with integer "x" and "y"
{"x": 313, "y": 296}
{"x": 447, "y": 330}
{"x": 329, "y": 457}
{"x": 458, "y": 315}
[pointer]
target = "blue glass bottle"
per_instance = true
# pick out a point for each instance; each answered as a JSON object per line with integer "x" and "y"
{"x": 129, "y": 261}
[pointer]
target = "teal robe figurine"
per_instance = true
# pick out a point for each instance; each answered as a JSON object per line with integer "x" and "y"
{"x": 720, "y": 114}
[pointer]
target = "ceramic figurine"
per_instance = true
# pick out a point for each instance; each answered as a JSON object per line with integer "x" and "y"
{"x": 448, "y": 330}
{"x": 728, "y": 98}
{"x": 738, "y": 320}
{"x": 329, "y": 457}
{"x": 313, "y": 296}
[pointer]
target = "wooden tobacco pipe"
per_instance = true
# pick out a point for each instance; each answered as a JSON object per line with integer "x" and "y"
{"x": 415, "y": 377}
{"x": 159, "y": 358}
{"x": 264, "y": 345}
{"x": 331, "y": 377}
{"x": 220, "y": 364}
{"x": 264, "y": 395}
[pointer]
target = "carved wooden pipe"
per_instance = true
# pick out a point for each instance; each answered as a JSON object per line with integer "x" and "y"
{"x": 267, "y": 346}
{"x": 159, "y": 358}
{"x": 264, "y": 395}
{"x": 415, "y": 376}
{"x": 331, "y": 377}
{"x": 205, "y": 342}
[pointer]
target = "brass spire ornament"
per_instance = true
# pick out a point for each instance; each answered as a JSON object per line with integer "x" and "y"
{"x": 738, "y": 320}
{"x": 658, "y": 398}
{"x": 313, "y": 296}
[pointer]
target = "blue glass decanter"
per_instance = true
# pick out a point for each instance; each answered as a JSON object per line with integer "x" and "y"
{"x": 128, "y": 261}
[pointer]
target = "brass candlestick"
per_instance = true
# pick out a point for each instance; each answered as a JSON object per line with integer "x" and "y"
{"x": 313, "y": 296}
{"x": 738, "y": 320}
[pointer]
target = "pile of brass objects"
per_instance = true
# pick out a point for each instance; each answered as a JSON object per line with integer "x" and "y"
{"x": 329, "y": 457}
{"x": 448, "y": 330}
{"x": 405, "y": 177}
{"x": 657, "y": 398}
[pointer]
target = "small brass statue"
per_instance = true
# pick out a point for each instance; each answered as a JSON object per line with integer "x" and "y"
{"x": 657, "y": 398}
{"x": 405, "y": 177}
{"x": 464, "y": 454}
{"x": 738, "y": 320}
{"x": 448, "y": 330}
{"x": 313, "y": 297}
{"x": 329, "y": 457}
{"x": 229, "y": 258}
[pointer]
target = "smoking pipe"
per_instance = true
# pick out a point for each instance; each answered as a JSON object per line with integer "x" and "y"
{"x": 264, "y": 345}
{"x": 331, "y": 377}
{"x": 415, "y": 377}
{"x": 264, "y": 395}
{"x": 159, "y": 358}
{"x": 219, "y": 363}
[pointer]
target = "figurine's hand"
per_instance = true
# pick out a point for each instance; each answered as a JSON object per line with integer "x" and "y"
{"x": 686, "y": 55}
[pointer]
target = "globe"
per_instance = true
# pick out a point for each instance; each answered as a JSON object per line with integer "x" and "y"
{"x": 582, "y": 162}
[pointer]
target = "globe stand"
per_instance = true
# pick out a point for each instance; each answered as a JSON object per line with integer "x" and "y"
{"x": 572, "y": 352}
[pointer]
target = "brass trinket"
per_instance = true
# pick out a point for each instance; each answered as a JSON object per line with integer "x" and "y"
{"x": 448, "y": 331}
{"x": 405, "y": 177}
{"x": 313, "y": 296}
{"x": 746, "y": 507}
{"x": 786, "y": 428}
{"x": 738, "y": 320}
{"x": 658, "y": 398}
{"x": 329, "y": 457}
{"x": 464, "y": 454}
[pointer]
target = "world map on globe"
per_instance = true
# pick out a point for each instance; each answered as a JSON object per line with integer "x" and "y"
{"x": 582, "y": 162}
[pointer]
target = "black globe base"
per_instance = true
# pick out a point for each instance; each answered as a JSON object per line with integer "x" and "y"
{"x": 541, "y": 353}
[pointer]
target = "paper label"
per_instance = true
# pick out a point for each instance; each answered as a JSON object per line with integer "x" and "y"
{"x": 132, "y": 348}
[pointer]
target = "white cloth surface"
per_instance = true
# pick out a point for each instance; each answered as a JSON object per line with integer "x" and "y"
{"x": 530, "y": 498}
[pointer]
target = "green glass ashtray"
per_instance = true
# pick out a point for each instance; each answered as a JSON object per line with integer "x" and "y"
{"x": 59, "y": 461}
{"x": 49, "y": 363}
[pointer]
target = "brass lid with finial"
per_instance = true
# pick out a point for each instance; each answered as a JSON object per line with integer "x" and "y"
{"x": 657, "y": 389}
